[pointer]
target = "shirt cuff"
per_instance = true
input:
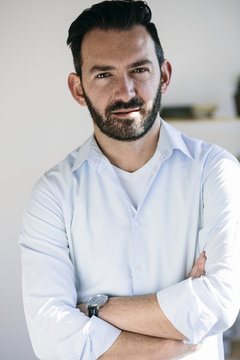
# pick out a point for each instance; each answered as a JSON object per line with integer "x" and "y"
{"x": 186, "y": 311}
{"x": 103, "y": 335}
{"x": 89, "y": 343}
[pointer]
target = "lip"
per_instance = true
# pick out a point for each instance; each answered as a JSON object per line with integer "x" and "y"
{"x": 126, "y": 112}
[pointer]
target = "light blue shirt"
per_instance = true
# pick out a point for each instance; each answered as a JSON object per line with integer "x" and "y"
{"x": 82, "y": 236}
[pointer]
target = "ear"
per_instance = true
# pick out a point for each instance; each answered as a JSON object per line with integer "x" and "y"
{"x": 166, "y": 72}
{"x": 75, "y": 86}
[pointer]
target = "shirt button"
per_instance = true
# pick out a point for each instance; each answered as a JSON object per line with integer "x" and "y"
{"x": 138, "y": 270}
{"x": 136, "y": 223}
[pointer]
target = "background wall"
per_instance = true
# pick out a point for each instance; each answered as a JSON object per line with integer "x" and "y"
{"x": 40, "y": 123}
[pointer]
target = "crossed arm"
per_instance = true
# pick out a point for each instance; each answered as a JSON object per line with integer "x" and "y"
{"x": 147, "y": 333}
{"x": 57, "y": 328}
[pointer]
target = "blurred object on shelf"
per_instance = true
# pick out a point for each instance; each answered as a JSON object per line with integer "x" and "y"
{"x": 203, "y": 111}
{"x": 235, "y": 354}
{"x": 177, "y": 112}
{"x": 188, "y": 111}
{"x": 235, "y": 351}
{"x": 237, "y": 96}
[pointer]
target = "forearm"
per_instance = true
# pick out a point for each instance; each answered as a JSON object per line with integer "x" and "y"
{"x": 141, "y": 315}
{"x": 133, "y": 346}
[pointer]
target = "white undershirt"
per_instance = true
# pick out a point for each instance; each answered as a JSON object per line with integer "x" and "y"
{"x": 135, "y": 183}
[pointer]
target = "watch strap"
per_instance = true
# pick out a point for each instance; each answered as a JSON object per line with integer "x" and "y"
{"x": 92, "y": 310}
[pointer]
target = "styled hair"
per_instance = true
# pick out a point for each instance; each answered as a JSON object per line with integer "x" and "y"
{"x": 111, "y": 14}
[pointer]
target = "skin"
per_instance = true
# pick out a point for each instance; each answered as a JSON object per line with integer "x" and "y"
{"x": 154, "y": 338}
{"x": 139, "y": 347}
{"x": 133, "y": 343}
{"x": 125, "y": 80}
{"x": 110, "y": 75}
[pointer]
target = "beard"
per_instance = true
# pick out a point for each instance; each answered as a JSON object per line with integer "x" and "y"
{"x": 126, "y": 129}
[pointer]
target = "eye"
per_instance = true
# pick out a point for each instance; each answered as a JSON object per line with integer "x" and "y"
{"x": 103, "y": 75}
{"x": 140, "y": 70}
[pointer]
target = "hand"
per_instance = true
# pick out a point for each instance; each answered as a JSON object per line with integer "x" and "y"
{"x": 83, "y": 308}
{"x": 198, "y": 268}
{"x": 133, "y": 346}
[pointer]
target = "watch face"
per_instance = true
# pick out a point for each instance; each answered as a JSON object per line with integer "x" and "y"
{"x": 97, "y": 300}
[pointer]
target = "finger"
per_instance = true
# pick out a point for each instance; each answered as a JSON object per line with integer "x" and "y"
{"x": 199, "y": 266}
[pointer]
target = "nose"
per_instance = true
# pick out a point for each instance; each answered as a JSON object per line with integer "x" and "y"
{"x": 125, "y": 88}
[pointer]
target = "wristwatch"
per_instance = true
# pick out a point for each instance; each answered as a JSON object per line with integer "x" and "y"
{"x": 94, "y": 303}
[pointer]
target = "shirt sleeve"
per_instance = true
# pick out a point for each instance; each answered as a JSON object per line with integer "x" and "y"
{"x": 209, "y": 305}
{"x": 58, "y": 330}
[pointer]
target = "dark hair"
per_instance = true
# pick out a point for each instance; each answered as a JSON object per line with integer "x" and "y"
{"x": 113, "y": 14}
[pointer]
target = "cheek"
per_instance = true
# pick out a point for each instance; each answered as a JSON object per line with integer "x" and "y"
{"x": 99, "y": 99}
{"x": 148, "y": 89}
{"x": 100, "y": 106}
{"x": 148, "y": 94}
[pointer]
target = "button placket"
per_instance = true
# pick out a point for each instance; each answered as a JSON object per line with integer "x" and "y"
{"x": 137, "y": 269}
{"x": 136, "y": 223}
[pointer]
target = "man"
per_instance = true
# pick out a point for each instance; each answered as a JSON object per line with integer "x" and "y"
{"x": 111, "y": 233}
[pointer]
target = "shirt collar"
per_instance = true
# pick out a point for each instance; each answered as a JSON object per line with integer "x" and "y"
{"x": 172, "y": 139}
{"x": 169, "y": 139}
{"x": 87, "y": 151}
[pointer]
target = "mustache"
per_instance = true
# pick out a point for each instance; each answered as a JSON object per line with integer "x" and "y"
{"x": 120, "y": 105}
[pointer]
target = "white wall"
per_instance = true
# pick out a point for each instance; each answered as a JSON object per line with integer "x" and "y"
{"x": 201, "y": 39}
{"x": 40, "y": 123}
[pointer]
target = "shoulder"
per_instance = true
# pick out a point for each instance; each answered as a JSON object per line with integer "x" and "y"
{"x": 60, "y": 173}
{"x": 198, "y": 149}
{"x": 56, "y": 183}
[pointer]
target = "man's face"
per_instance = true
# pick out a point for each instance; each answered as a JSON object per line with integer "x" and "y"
{"x": 121, "y": 81}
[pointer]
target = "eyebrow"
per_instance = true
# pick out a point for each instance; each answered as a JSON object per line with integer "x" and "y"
{"x": 97, "y": 68}
{"x": 141, "y": 63}
{"x": 104, "y": 68}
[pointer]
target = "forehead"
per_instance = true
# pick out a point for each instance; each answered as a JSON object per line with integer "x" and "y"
{"x": 117, "y": 46}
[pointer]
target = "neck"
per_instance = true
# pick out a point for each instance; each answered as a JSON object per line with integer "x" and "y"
{"x": 129, "y": 156}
